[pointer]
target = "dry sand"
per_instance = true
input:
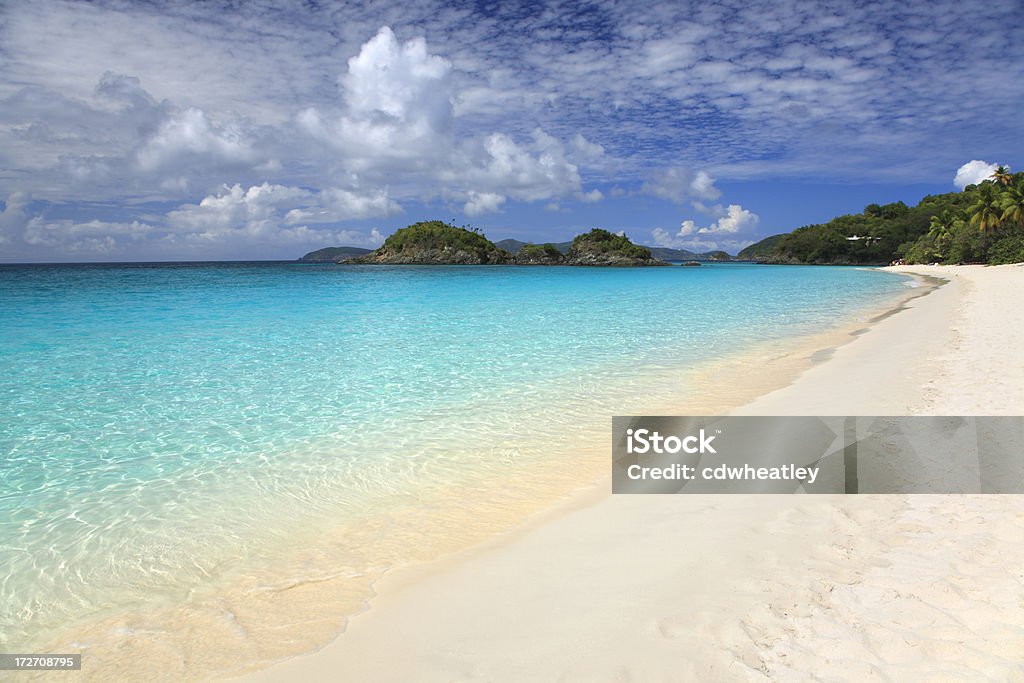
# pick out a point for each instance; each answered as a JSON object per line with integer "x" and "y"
{"x": 749, "y": 588}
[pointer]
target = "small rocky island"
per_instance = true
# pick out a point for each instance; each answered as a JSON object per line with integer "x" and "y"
{"x": 602, "y": 248}
{"x": 435, "y": 243}
{"x": 438, "y": 243}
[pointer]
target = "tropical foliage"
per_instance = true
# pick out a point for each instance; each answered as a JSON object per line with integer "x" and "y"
{"x": 982, "y": 224}
{"x": 540, "y": 251}
{"x": 438, "y": 235}
{"x": 601, "y": 241}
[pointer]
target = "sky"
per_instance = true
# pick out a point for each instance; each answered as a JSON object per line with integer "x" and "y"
{"x": 155, "y": 131}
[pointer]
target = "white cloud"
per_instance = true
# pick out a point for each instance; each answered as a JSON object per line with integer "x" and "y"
{"x": 190, "y": 133}
{"x": 396, "y": 102}
{"x": 585, "y": 151}
{"x": 337, "y": 204}
{"x": 14, "y": 216}
{"x": 19, "y": 230}
{"x": 483, "y": 202}
{"x": 735, "y": 219}
{"x": 679, "y": 184}
{"x": 355, "y": 238}
{"x": 973, "y": 172}
{"x": 254, "y": 211}
{"x": 235, "y": 222}
{"x": 94, "y": 235}
{"x": 402, "y": 81}
{"x": 396, "y": 123}
{"x": 686, "y": 228}
{"x": 269, "y": 213}
{"x": 663, "y": 238}
{"x": 534, "y": 171}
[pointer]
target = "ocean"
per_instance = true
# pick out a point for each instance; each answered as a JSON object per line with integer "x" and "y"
{"x": 185, "y": 443}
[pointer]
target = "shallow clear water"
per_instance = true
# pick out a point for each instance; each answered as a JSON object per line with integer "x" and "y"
{"x": 160, "y": 423}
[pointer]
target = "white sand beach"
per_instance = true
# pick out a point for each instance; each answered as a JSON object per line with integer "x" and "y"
{"x": 748, "y": 588}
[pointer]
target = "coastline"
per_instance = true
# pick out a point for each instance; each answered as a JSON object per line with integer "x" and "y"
{"x": 730, "y": 587}
{"x": 289, "y": 603}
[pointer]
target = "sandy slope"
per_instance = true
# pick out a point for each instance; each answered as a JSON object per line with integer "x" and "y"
{"x": 750, "y": 587}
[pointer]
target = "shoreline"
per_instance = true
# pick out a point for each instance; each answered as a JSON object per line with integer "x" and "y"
{"x": 312, "y": 607}
{"x": 409, "y": 596}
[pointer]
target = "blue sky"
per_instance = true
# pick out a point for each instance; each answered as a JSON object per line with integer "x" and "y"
{"x": 166, "y": 131}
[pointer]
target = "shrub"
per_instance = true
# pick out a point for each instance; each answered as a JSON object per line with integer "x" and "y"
{"x": 603, "y": 242}
{"x": 1006, "y": 249}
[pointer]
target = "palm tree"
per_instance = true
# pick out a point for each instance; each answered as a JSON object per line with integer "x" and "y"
{"x": 940, "y": 229}
{"x": 986, "y": 212}
{"x": 1012, "y": 201}
{"x": 1002, "y": 175}
{"x": 940, "y": 225}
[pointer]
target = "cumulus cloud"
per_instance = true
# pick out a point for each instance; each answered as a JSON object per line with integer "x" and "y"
{"x": 397, "y": 121}
{"x": 14, "y": 216}
{"x": 532, "y": 171}
{"x": 234, "y": 222}
{"x": 191, "y": 134}
{"x": 23, "y": 233}
{"x": 94, "y": 235}
{"x": 253, "y": 210}
{"x": 483, "y": 202}
{"x": 735, "y": 219}
{"x": 399, "y": 80}
{"x": 396, "y": 104}
{"x": 679, "y": 184}
{"x": 973, "y": 172}
{"x": 270, "y": 213}
{"x": 337, "y": 204}
{"x": 698, "y": 245}
{"x": 584, "y": 151}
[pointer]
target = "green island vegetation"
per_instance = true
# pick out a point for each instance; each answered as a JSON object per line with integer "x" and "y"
{"x": 717, "y": 255}
{"x": 664, "y": 253}
{"x": 438, "y": 235}
{"x": 440, "y": 243}
{"x": 599, "y": 241}
{"x": 984, "y": 223}
{"x": 436, "y": 242}
{"x": 540, "y": 252}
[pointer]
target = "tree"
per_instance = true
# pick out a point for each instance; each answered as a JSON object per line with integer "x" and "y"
{"x": 986, "y": 212}
{"x": 940, "y": 230}
{"x": 940, "y": 225}
{"x": 1002, "y": 175}
{"x": 1012, "y": 202}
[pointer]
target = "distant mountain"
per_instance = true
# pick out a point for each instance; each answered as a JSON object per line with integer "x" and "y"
{"x": 332, "y": 254}
{"x": 684, "y": 255}
{"x": 663, "y": 253}
{"x": 760, "y": 251}
{"x": 514, "y": 246}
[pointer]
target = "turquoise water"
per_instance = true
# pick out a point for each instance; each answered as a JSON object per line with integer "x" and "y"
{"x": 159, "y": 424}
